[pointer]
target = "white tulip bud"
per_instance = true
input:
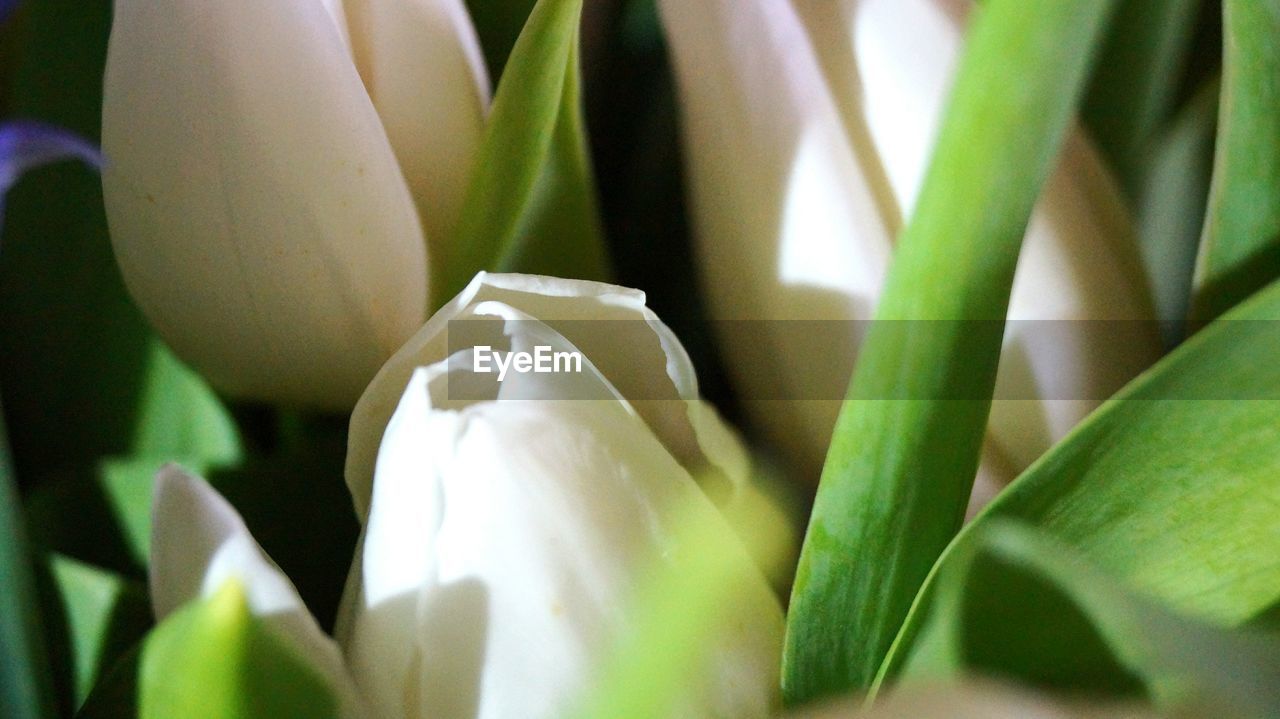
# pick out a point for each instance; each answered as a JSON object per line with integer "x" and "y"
{"x": 508, "y": 515}
{"x": 256, "y": 202}
{"x": 809, "y": 125}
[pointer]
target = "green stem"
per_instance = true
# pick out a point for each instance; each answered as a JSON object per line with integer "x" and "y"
{"x": 906, "y": 447}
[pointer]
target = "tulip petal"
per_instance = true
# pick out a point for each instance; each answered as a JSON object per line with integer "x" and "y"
{"x": 610, "y": 325}
{"x": 256, "y": 208}
{"x": 890, "y": 64}
{"x": 422, "y": 64}
{"x": 509, "y": 525}
{"x": 789, "y": 224}
{"x": 199, "y": 542}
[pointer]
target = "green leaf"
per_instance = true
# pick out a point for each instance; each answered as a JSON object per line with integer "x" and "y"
{"x": 24, "y": 669}
{"x": 1241, "y": 245}
{"x": 105, "y": 615}
{"x": 1019, "y": 606}
{"x": 1172, "y": 486}
{"x": 214, "y": 659}
{"x": 1171, "y": 206}
{"x": 900, "y": 470}
{"x": 498, "y": 24}
{"x": 1139, "y": 71}
{"x": 531, "y": 206}
{"x": 179, "y": 416}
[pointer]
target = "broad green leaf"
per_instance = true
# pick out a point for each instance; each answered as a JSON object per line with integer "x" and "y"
{"x": 215, "y": 659}
{"x": 1241, "y": 245}
{"x": 1019, "y": 606}
{"x": 1133, "y": 91}
{"x": 899, "y": 471}
{"x": 531, "y": 206}
{"x": 180, "y": 417}
{"x": 1171, "y": 207}
{"x": 498, "y": 24}
{"x": 104, "y": 616}
{"x": 1172, "y": 486}
{"x": 24, "y": 669}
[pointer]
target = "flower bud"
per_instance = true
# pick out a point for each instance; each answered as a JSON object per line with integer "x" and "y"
{"x": 257, "y": 199}
{"x": 808, "y": 131}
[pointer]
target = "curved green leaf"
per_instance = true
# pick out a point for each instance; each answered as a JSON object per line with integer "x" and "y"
{"x": 24, "y": 677}
{"x": 1133, "y": 91}
{"x": 105, "y": 615}
{"x": 1172, "y": 486}
{"x": 531, "y": 206}
{"x": 899, "y": 471}
{"x": 1240, "y": 251}
{"x": 1016, "y": 605}
{"x": 1171, "y": 206}
{"x": 498, "y": 24}
{"x": 180, "y": 417}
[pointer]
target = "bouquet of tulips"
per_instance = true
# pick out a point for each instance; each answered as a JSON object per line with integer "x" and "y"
{"x": 635, "y": 359}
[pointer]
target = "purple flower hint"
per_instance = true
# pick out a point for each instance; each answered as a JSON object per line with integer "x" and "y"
{"x": 25, "y": 145}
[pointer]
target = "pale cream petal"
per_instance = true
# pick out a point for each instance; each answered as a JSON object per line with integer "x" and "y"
{"x": 256, "y": 208}
{"x": 789, "y": 224}
{"x": 422, "y": 65}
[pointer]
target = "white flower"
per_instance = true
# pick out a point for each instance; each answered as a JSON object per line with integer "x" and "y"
{"x": 508, "y": 524}
{"x": 271, "y": 167}
{"x": 809, "y": 125}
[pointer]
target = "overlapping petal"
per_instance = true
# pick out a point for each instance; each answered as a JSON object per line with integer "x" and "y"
{"x": 422, "y": 64}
